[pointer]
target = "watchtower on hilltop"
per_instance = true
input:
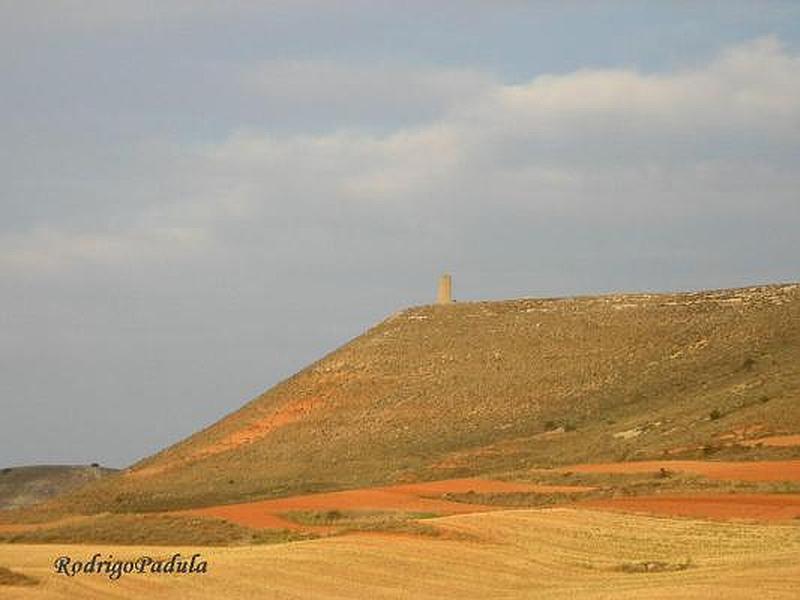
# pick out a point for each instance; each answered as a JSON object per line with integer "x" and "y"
{"x": 444, "y": 294}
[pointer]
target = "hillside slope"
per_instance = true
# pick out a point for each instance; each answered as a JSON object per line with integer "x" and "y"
{"x": 24, "y": 486}
{"x": 492, "y": 387}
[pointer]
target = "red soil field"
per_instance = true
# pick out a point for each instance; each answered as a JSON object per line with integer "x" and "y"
{"x": 751, "y": 507}
{"x": 404, "y": 497}
{"x": 785, "y": 470}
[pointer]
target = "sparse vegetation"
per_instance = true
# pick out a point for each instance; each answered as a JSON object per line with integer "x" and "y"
{"x": 748, "y": 363}
{"x": 636, "y": 484}
{"x": 280, "y": 536}
{"x": 143, "y": 529}
{"x": 710, "y": 449}
{"x": 654, "y": 566}
{"x": 518, "y": 499}
{"x": 366, "y": 520}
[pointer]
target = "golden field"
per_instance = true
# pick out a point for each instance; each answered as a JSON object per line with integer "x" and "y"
{"x": 548, "y": 553}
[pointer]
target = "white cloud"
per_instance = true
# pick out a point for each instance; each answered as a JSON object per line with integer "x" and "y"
{"x": 754, "y": 87}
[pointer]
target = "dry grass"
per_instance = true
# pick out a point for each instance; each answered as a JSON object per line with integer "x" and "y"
{"x": 146, "y": 529}
{"x": 528, "y": 499}
{"x": 654, "y": 566}
{"x": 349, "y": 521}
{"x": 633, "y": 484}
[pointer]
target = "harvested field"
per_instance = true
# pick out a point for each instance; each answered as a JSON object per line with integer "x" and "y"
{"x": 543, "y": 554}
{"x": 12, "y": 578}
{"x": 724, "y": 507}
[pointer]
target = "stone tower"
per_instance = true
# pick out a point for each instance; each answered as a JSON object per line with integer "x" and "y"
{"x": 444, "y": 295}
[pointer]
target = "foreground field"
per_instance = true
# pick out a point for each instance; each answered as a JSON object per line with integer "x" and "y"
{"x": 750, "y": 507}
{"x": 551, "y": 553}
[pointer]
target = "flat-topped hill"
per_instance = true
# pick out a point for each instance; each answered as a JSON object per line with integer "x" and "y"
{"x": 484, "y": 388}
{"x": 25, "y": 486}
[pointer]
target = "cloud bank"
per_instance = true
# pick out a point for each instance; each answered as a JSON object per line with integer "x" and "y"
{"x": 607, "y": 146}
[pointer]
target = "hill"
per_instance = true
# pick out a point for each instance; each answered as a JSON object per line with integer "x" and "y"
{"x": 24, "y": 486}
{"x": 494, "y": 388}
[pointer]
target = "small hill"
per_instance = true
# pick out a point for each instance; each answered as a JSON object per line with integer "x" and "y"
{"x": 488, "y": 388}
{"x": 24, "y": 486}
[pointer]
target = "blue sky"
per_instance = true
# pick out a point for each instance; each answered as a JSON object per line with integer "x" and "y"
{"x": 199, "y": 198}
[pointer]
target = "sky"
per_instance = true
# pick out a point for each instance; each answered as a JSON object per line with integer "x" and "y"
{"x": 199, "y": 198}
